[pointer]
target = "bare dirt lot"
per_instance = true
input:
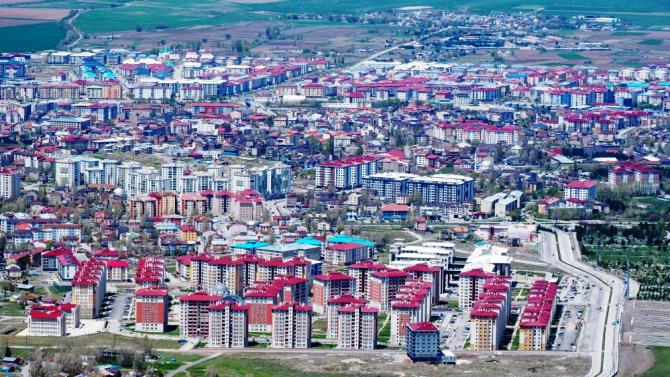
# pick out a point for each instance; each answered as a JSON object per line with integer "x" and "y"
{"x": 387, "y": 364}
{"x": 47, "y": 14}
{"x": 634, "y": 359}
{"x": 15, "y": 22}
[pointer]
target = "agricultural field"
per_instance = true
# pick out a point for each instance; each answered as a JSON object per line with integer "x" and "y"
{"x": 114, "y": 16}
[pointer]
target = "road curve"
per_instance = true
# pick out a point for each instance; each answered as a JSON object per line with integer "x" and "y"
{"x": 560, "y": 248}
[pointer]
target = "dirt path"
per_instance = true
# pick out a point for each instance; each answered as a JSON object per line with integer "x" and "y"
{"x": 185, "y": 366}
{"x": 634, "y": 359}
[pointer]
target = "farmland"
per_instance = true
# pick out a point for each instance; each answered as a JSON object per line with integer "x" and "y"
{"x": 114, "y": 16}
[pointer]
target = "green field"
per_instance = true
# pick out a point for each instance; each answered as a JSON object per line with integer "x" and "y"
{"x": 11, "y": 309}
{"x": 572, "y": 56}
{"x": 166, "y": 362}
{"x": 30, "y": 38}
{"x": 661, "y": 365}
{"x": 651, "y": 42}
{"x": 123, "y": 15}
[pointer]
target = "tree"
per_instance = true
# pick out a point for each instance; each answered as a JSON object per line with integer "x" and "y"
{"x": 5, "y": 348}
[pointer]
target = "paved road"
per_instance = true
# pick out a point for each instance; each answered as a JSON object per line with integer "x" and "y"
{"x": 604, "y": 323}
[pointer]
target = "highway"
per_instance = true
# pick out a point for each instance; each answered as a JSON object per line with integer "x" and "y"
{"x": 601, "y": 331}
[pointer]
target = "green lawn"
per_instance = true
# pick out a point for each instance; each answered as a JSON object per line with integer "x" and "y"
{"x": 242, "y": 366}
{"x": 572, "y": 56}
{"x": 384, "y": 334}
{"x": 661, "y": 365}
{"x": 515, "y": 342}
{"x": 320, "y": 325}
{"x": 651, "y": 42}
{"x": 11, "y": 309}
{"x": 28, "y": 38}
{"x": 166, "y": 363}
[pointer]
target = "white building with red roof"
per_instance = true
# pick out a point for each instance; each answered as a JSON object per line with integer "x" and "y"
{"x": 357, "y": 327}
{"x": 470, "y": 286}
{"x": 228, "y": 325}
{"x": 332, "y": 311}
{"x": 581, "y": 189}
{"x": 117, "y": 270}
{"x": 194, "y": 320}
{"x": 361, "y": 272}
{"x": 291, "y": 326}
{"x": 46, "y": 320}
{"x": 89, "y": 286}
{"x": 412, "y": 303}
{"x": 383, "y": 287}
{"x": 346, "y": 173}
{"x": 344, "y": 253}
{"x": 329, "y": 285}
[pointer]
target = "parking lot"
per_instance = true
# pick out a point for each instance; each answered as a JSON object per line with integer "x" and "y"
{"x": 574, "y": 295}
{"x": 117, "y": 306}
{"x": 454, "y": 329}
{"x": 647, "y": 322}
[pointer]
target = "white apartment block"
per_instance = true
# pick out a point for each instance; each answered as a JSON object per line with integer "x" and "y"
{"x": 228, "y": 327}
{"x": 291, "y": 326}
{"x": 10, "y": 184}
{"x": 357, "y": 327}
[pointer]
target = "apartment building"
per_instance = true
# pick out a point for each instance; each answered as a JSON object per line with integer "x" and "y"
{"x": 228, "y": 327}
{"x": 581, "y": 190}
{"x": 291, "y": 325}
{"x": 634, "y": 177}
{"x": 470, "y": 286}
{"x": 431, "y": 274}
{"x": 535, "y": 321}
{"x": 345, "y": 253}
{"x": 46, "y": 320}
{"x": 423, "y": 342}
{"x": 357, "y": 327}
{"x": 260, "y": 298}
{"x": 194, "y": 320}
{"x": 346, "y": 173}
{"x": 117, "y": 270}
{"x": 384, "y": 285}
{"x": 10, "y": 184}
{"x": 151, "y": 309}
{"x": 361, "y": 272}
{"x": 333, "y": 305}
{"x": 411, "y": 304}
{"x": 438, "y": 189}
{"x": 329, "y": 285}
{"x": 150, "y": 272}
{"x": 89, "y": 286}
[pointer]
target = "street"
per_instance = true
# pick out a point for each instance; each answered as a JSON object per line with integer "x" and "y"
{"x": 602, "y": 328}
